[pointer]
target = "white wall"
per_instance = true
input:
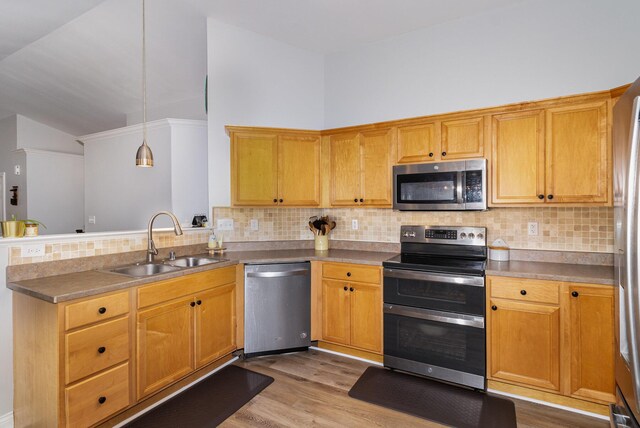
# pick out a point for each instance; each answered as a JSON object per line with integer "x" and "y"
{"x": 531, "y": 50}
{"x": 254, "y": 80}
{"x": 189, "y": 184}
{"x": 36, "y": 135}
{"x": 192, "y": 108}
{"x": 55, "y": 183}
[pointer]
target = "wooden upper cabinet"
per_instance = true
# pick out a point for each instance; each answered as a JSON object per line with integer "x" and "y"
{"x": 517, "y": 154}
{"x": 376, "y": 167}
{"x": 578, "y": 154}
{"x": 462, "y": 138}
{"x": 591, "y": 310}
{"x": 345, "y": 169}
{"x": 298, "y": 170}
{"x": 254, "y": 169}
{"x": 418, "y": 143}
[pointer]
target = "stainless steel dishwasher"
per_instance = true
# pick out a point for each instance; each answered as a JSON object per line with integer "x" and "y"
{"x": 277, "y": 314}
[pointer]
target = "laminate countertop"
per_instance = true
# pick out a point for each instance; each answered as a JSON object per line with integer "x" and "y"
{"x": 592, "y": 274}
{"x": 70, "y": 286}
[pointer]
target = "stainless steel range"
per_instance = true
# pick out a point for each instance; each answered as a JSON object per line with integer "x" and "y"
{"x": 434, "y": 304}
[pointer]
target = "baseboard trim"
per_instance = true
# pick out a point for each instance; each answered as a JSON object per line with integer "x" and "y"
{"x": 6, "y": 421}
{"x": 353, "y": 357}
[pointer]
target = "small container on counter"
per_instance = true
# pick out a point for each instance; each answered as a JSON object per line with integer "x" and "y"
{"x": 499, "y": 251}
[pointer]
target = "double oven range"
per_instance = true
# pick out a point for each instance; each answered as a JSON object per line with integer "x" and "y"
{"x": 434, "y": 304}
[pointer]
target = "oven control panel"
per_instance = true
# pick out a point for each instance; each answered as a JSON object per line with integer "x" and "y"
{"x": 453, "y": 235}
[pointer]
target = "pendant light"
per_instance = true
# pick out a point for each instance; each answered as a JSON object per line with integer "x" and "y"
{"x": 144, "y": 157}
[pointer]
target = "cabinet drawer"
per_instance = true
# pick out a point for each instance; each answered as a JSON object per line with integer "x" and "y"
{"x": 83, "y": 401}
{"x": 170, "y": 289}
{"x": 349, "y": 272}
{"x": 94, "y": 310}
{"x": 95, "y": 348}
{"x": 525, "y": 290}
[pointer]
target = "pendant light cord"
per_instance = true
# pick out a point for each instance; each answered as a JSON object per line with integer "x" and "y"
{"x": 144, "y": 78}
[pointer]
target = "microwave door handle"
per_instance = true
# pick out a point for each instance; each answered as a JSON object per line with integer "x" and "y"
{"x": 631, "y": 252}
{"x": 461, "y": 180}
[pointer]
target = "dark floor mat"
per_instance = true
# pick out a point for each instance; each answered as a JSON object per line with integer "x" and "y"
{"x": 432, "y": 400}
{"x": 207, "y": 403}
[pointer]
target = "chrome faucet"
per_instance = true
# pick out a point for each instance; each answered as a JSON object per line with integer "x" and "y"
{"x": 151, "y": 247}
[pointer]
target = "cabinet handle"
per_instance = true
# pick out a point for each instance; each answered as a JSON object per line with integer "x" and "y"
{"x": 355, "y": 199}
{"x": 444, "y": 154}
{"x": 198, "y": 302}
{"x": 361, "y": 200}
{"x": 540, "y": 196}
{"x": 102, "y": 399}
{"x": 523, "y": 292}
{"x": 549, "y": 197}
{"x": 351, "y": 289}
{"x": 101, "y": 350}
{"x": 430, "y": 154}
{"x": 345, "y": 288}
{"x": 192, "y": 304}
{"x": 281, "y": 201}
{"x": 348, "y": 273}
{"x": 494, "y": 308}
{"x": 275, "y": 201}
{"x": 575, "y": 294}
{"x": 102, "y": 310}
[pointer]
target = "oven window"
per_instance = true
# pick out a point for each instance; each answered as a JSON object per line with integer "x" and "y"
{"x": 437, "y": 187}
{"x": 435, "y": 343}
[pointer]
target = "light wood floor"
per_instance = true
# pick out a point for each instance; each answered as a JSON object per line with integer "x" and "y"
{"x": 310, "y": 389}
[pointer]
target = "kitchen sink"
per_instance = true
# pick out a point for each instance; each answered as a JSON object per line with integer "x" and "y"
{"x": 145, "y": 269}
{"x": 193, "y": 261}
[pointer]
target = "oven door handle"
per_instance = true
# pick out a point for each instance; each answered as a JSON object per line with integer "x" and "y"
{"x": 426, "y": 314}
{"x": 476, "y": 281}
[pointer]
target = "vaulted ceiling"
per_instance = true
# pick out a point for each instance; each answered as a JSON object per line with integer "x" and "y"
{"x": 76, "y": 64}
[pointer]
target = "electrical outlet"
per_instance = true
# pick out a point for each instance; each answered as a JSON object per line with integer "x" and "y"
{"x": 92, "y": 219}
{"x": 253, "y": 224}
{"x": 16, "y": 169}
{"x": 225, "y": 224}
{"x": 35, "y": 250}
{"x": 533, "y": 228}
{"x": 354, "y": 224}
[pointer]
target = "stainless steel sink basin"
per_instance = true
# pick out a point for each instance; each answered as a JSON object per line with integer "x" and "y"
{"x": 145, "y": 269}
{"x": 193, "y": 261}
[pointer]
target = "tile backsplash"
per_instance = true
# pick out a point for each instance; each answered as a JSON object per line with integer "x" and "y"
{"x": 566, "y": 229}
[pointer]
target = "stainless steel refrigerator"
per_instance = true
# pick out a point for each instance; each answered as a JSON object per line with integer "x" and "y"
{"x": 626, "y": 191}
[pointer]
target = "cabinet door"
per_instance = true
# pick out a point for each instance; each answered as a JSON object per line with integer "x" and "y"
{"x": 517, "y": 144}
{"x": 524, "y": 345}
{"x": 345, "y": 169}
{"x": 376, "y": 168}
{"x": 462, "y": 138}
{"x": 578, "y": 154}
{"x": 592, "y": 342}
{"x": 335, "y": 312}
{"x": 366, "y": 316}
{"x": 419, "y": 143}
{"x": 299, "y": 170}
{"x": 215, "y": 324}
{"x": 254, "y": 165}
{"x": 165, "y": 345}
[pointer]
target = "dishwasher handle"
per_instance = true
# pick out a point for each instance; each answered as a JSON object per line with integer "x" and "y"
{"x": 296, "y": 272}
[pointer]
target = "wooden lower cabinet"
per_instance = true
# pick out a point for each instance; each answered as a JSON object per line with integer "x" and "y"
{"x": 552, "y": 336}
{"x": 81, "y": 362}
{"x": 352, "y": 311}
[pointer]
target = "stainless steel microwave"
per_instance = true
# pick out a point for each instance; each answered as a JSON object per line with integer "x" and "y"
{"x": 442, "y": 186}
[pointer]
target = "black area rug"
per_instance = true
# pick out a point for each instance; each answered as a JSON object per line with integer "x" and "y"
{"x": 432, "y": 400}
{"x": 207, "y": 403}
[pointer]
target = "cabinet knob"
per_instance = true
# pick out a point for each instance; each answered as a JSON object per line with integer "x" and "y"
{"x": 523, "y": 292}
{"x": 575, "y": 294}
{"x": 444, "y": 153}
{"x": 102, "y": 310}
{"x": 549, "y": 197}
{"x": 101, "y": 350}
{"x": 361, "y": 200}
{"x": 102, "y": 399}
{"x": 351, "y": 289}
{"x": 355, "y": 199}
{"x": 430, "y": 154}
{"x": 345, "y": 288}
{"x": 540, "y": 196}
{"x": 192, "y": 304}
{"x": 494, "y": 308}
{"x": 281, "y": 201}
{"x": 275, "y": 200}
{"x": 198, "y": 302}
{"x": 348, "y": 273}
